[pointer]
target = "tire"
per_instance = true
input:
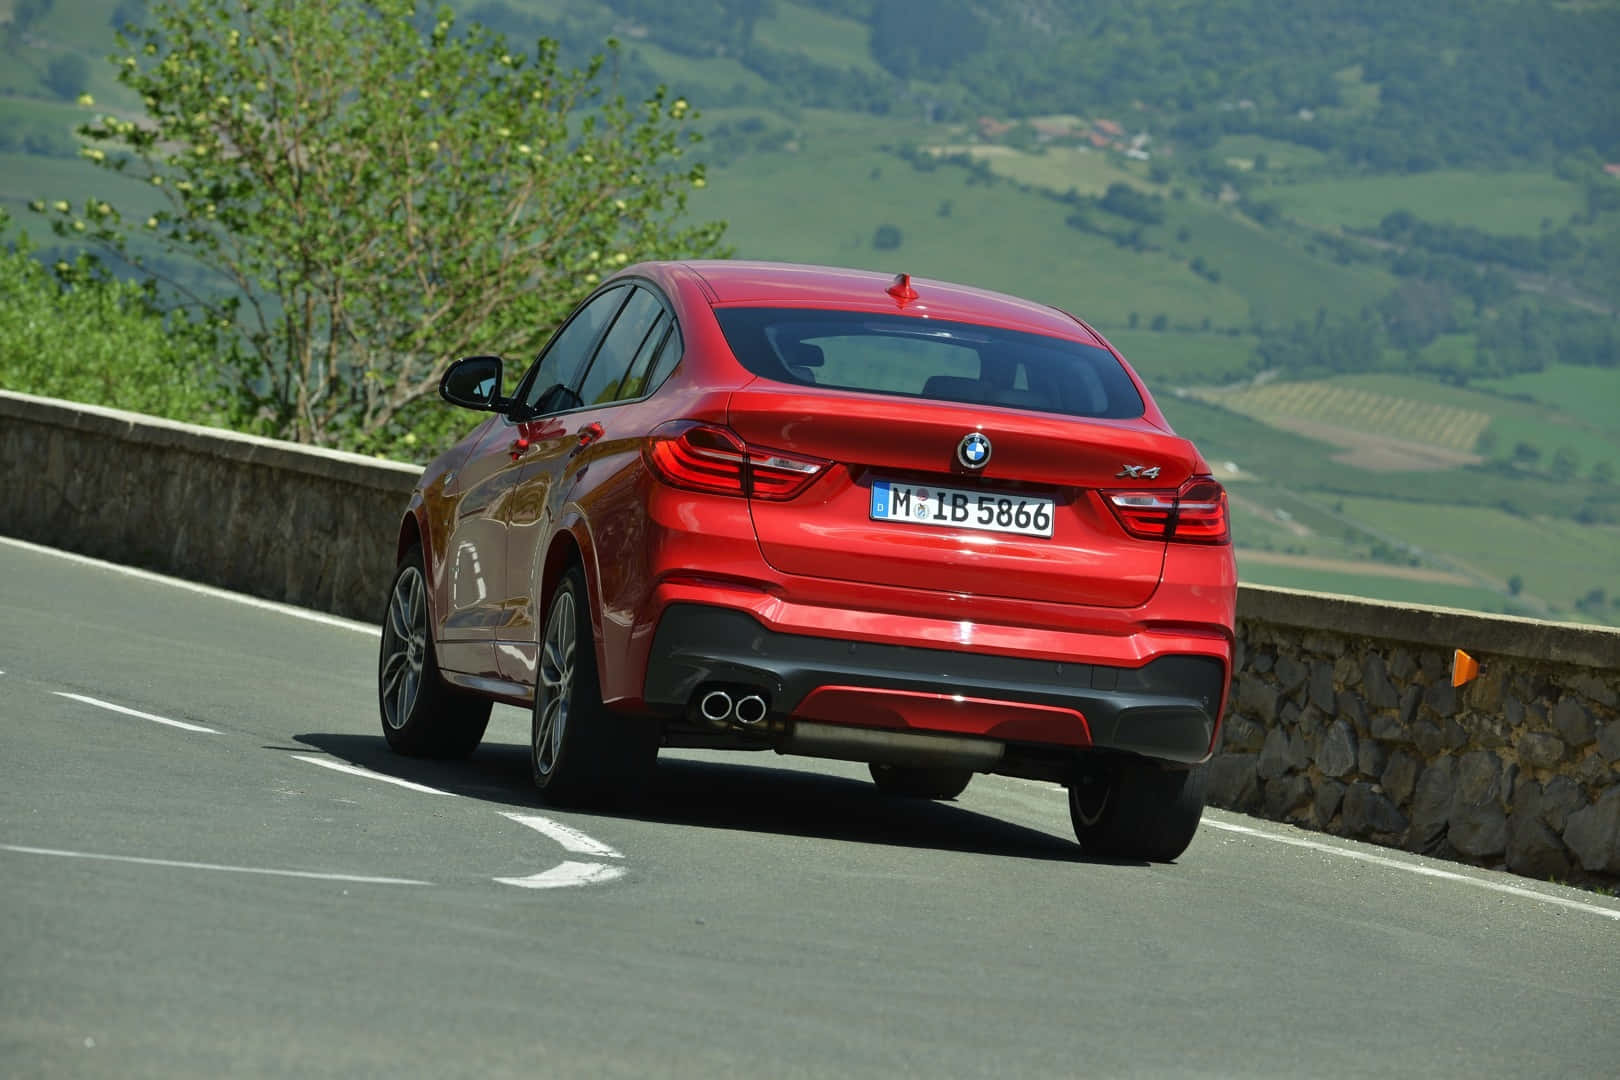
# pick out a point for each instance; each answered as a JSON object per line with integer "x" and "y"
{"x": 422, "y": 716}
{"x": 580, "y": 751}
{"x": 914, "y": 782}
{"x": 1134, "y": 809}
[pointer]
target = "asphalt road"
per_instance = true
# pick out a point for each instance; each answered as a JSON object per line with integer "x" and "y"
{"x": 757, "y": 916}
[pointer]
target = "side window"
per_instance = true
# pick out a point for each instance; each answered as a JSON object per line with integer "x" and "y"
{"x": 619, "y": 348}
{"x": 637, "y": 376}
{"x": 668, "y": 356}
{"x": 564, "y": 358}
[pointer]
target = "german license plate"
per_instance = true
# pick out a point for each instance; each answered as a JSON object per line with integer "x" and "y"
{"x": 988, "y": 511}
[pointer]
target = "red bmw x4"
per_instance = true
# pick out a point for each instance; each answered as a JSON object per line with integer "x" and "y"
{"x": 825, "y": 512}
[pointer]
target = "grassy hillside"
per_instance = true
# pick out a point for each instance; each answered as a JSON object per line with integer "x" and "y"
{"x": 1402, "y": 413}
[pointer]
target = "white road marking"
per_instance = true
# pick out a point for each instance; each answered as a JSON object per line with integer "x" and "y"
{"x": 1416, "y": 868}
{"x": 204, "y": 590}
{"x": 110, "y": 707}
{"x": 565, "y": 874}
{"x": 356, "y": 878}
{"x": 362, "y": 771}
{"x": 570, "y": 838}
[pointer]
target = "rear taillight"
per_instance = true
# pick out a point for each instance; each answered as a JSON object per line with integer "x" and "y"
{"x": 1194, "y": 514}
{"x": 705, "y": 457}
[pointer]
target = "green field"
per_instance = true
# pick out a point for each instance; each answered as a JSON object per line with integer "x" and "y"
{"x": 1546, "y": 427}
{"x": 1558, "y": 559}
{"x": 1375, "y": 587}
{"x": 1502, "y": 203}
{"x": 1329, "y": 402}
{"x": 827, "y": 39}
{"x": 823, "y": 203}
{"x": 1588, "y": 394}
{"x": 1167, "y": 359}
{"x": 1055, "y": 168}
{"x": 1279, "y": 155}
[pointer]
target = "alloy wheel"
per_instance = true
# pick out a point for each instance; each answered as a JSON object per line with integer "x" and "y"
{"x": 556, "y": 683}
{"x": 405, "y": 635}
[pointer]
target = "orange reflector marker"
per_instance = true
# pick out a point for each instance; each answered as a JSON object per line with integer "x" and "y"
{"x": 1463, "y": 668}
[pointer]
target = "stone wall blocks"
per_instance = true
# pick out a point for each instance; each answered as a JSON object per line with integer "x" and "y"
{"x": 1442, "y": 698}
{"x": 1428, "y": 738}
{"x": 1535, "y": 850}
{"x": 1301, "y": 748}
{"x": 1485, "y": 693}
{"x": 1240, "y": 733}
{"x": 1285, "y": 795}
{"x": 1593, "y": 834}
{"x": 1329, "y": 795}
{"x": 1321, "y": 685}
{"x": 1291, "y": 674}
{"x": 1336, "y": 756}
{"x": 1232, "y": 782}
{"x": 1350, "y": 708}
{"x": 1540, "y": 750}
{"x": 1402, "y": 665}
{"x": 1312, "y": 719}
{"x": 1452, "y": 733}
{"x": 1431, "y": 805}
{"x": 1399, "y": 776}
{"x": 1436, "y": 665}
{"x": 1573, "y": 722}
{"x": 1594, "y": 688}
{"x": 1608, "y": 742}
{"x": 1560, "y": 797}
{"x": 1593, "y": 770}
{"x": 1288, "y": 715}
{"x": 1388, "y": 727}
{"x": 1273, "y": 755}
{"x": 1371, "y": 758}
{"x": 1262, "y": 662}
{"x": 1346, "y": 672}
{"x": 1379, "y": 691}
{"x": 1368, "y": 810}
{"x": 1259, "y": 699}
{"x": 1411, "y": 698}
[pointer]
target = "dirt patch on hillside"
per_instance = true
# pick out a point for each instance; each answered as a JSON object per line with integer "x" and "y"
{"x": 1352, "y": 566}
{"x": 1376, "y": 453}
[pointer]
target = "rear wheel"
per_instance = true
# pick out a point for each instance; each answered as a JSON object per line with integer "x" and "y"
{"x": 937, "y": 782}
{"x": 580, "y": 750}
{"x": 421, "y": 715}
{"x": 1134, "y": 809}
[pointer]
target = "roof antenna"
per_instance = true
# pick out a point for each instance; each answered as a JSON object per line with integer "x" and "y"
{"x": 900, "y": 288}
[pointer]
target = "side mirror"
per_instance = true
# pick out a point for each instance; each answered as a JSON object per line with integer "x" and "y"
{"x": 474, "y": 383}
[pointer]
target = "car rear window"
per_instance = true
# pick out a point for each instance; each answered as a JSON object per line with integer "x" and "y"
{"x": 930, "y": 358}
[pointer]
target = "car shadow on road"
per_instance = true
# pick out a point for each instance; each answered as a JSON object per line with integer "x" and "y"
{"x": 745, "y": 796}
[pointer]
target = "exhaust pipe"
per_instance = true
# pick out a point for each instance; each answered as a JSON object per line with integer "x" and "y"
{"x": 751, "y": 710}
{"x": 715, "y": 706}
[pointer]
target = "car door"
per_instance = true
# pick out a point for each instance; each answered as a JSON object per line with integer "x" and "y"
{"x": 485, "y": 486}
{"x": 565, "y": 456}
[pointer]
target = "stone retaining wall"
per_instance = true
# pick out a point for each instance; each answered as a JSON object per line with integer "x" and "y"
{"x": 292, "y": 523}
{"x": 1342, "y": 714}
{"x": 1343, "y": 718}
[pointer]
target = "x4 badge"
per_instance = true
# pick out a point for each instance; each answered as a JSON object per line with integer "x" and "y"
{"x": 1138, "y": 472}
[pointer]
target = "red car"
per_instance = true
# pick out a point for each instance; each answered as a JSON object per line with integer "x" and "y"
{"x": 825, "y": 512}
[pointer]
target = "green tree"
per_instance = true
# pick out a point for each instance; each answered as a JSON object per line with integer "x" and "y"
{"x": 886, "y": 237}
{"x": 1515, "y": 584}
{"x": 374, "y": 193}
{"x": 73, "y": 332}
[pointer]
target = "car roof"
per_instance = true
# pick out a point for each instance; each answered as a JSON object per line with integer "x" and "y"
{"x": 771, "y": 284}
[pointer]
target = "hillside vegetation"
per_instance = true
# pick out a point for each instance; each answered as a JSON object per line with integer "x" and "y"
{"x": 1367, "y": 253}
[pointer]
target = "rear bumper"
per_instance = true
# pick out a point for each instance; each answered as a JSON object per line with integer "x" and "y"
{"x": 1166, "y": 709}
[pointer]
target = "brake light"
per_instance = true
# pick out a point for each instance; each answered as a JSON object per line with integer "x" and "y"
{"x": 706, "y": 457}
{"x": 1195, "y": 514}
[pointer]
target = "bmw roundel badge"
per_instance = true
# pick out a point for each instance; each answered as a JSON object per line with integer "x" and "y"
{"x": 973, "y": 451}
